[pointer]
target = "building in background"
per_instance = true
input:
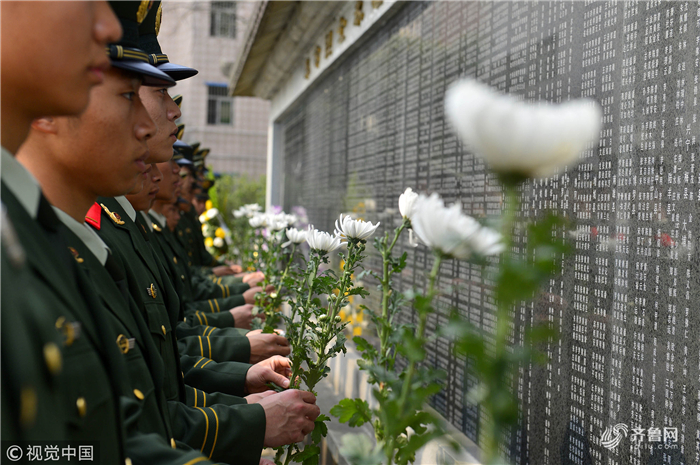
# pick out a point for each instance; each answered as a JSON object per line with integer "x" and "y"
{"x": 206, "y": 35}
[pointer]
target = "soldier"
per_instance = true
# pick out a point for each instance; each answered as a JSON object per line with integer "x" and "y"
{"x": 61, "y": 154}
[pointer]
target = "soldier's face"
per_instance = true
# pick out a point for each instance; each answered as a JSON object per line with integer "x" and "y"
{"x": 164, "y": 111}
{"x": 172, "y": 216}
{"x": 105, "y": 148}
{"x": 170, "y": 183}
{"x": 53, "y": 53}
{"x": 143, "y": 200}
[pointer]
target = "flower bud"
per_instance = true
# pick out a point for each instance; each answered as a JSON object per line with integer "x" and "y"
{"x": 322, "y": 318}
{"x": 338, "y": 319}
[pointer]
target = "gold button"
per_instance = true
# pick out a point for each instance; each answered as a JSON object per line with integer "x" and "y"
{"x": 138, "y": 394}
{"x": 53, "y": 358}
{"x": 163, "y": 328}
{"x": 123, "y": 343}
{"x": 182, "y": 276}
{"x": 27, "y": 406}
{"x": 60, "y": 322}
{"x": 82, "y": 406}
{"x": 127, "y": 461}
{"x": 175, "y": 260}
{"x": 172, "y": 443}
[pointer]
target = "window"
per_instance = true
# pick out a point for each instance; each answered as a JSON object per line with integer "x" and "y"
{"x": 223, "y": 19}
{"x": 220, "y": 106}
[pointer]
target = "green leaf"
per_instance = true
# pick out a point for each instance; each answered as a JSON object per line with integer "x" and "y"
{"x": 354, "y": 412}
{"x": 320, "y": 429}
{"x": 309, "y": 452}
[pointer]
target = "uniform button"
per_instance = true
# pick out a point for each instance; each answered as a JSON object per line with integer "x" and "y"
{"x": 127, "y": 461}
{"x": 172, "y": 443}
{"x": 175, "y": 260}
{"x": 138, "y": 394}
{"x": 27, "y": 408}
{"x": 182, "y": 276}
{"x": 53, "y": 358}
{"x": 81, "y": 405}
{"x": 163, "y": 328}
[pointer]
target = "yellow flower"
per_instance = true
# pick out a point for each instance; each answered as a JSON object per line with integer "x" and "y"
{"x": 341, "y": 314}
{"x": 359, "y": 317}
{"x": 357, "y": 331}
{"x": 209, "y": 205}
{"x": 209, "y": 242}
{"x": 220, "y": 233}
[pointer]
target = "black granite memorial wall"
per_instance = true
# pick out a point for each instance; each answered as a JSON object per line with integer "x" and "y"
{"x": 627, "y": 303}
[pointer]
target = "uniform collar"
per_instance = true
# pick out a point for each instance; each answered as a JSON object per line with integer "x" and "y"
{"x": 86, "y": 234}
{"x": 126, "y": 205}
{"x": 160, "y": 218}
{"x": 21, "y": 183}
{"x": 149, "y": 222}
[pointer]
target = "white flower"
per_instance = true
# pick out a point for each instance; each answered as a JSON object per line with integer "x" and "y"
{"x": 348, "y": 228}
{"x": 203, "y": 218}
{"x": 322, "y": 241}
{"x": 521, "y": 138}
{"x": 258, "y": 220}
{"x": 207, "y": 230}
{"x": 449, "y": 231}
{"x": 251, "y": 209}
{"x": 291, "y": 219}
{"x": 277, "y": 222}
{"x": 218, "y": 242}
{"x": 295, "y": 236}
{"x": 211, "y": 213}
{"x": 406, "y": 202}
{"x": 240, "y": 213}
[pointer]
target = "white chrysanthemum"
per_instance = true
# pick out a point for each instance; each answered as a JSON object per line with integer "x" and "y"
{"x": 291, "y": 219}
{"x": 449, "y": 231}
{"x": 240, "y": 213}
{"x": 211, "y": 213}
{"x": 406, "y": 202}
{"x": 218, "y": 242}
{"x": 259, "y": 220}
{"x": 207, "y": 230}
{"x": 276, "y": 222}
{"x": 251, "y": 209}
{"x": 295, "y": 236}
{"x": 322, "y": 241}
{"x": 519, "y": 138}
{"x": 346, "y": 227}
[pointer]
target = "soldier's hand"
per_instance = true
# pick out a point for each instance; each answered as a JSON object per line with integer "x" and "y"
{"x": 256, "y": 398}
{"x": 266, "y": 462}
{"x": 249, "y": 295}
{"x": 254, "y": 278}
{"x": 243, "y": 316}
{"x": 222, "y": 270}
{"x": 264, "y": 346}
{"x": 235, "y": 269}
{"x": 290, "y": 416}
{"x": 276, "y": 370}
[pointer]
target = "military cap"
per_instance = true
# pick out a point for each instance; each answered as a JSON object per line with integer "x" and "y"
{"x": 148, "y": 41}
{"x": 207, "y": 184}
{"x": 126, "y": 53}
{"x": 180, "y": 130}
{"x": 178, "y": 100}
{"x": 181, "y": 149}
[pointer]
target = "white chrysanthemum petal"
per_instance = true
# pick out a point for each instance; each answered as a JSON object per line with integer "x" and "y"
{"x": 517, "y": 137}
{"x": 406, "y": 202}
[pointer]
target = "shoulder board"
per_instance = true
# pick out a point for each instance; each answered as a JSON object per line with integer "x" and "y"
{"x": 115, "y": 216}
{"x": 94, "y": 216}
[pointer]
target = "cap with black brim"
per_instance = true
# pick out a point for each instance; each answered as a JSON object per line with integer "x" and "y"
{"x": 148, "y": 42}
{"x": 180, "y": 155}
{"x": 126, "y": 54}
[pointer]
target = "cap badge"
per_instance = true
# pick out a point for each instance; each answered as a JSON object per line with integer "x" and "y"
{"x": 156, "y": 227}
{"x": 143, "y": 10}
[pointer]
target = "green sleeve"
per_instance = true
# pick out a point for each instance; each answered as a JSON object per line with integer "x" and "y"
{"x": 226, "y": 433}
{"x": 210, "y": 376}
{"x": 217, "y": 348}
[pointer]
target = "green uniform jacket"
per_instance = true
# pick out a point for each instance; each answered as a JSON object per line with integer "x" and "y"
{"x": 154, "y": 292}
{"x": 88, "y": 396}
{"x": 146, "y": 370}
{"x": 31, "y": 354}
{"x": 212, "y": 312}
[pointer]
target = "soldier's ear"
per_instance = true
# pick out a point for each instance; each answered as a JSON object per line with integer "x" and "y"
{"x": 45, "y": 124}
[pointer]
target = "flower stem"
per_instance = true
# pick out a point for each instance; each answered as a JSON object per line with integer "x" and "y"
{"x": 410, "y": 373}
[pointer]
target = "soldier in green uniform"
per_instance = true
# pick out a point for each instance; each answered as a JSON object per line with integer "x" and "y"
{"x": 62, "y": 157}
{"x": 90, "y": 402}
